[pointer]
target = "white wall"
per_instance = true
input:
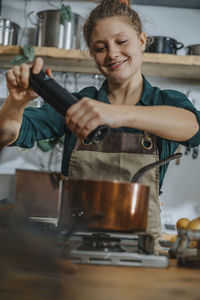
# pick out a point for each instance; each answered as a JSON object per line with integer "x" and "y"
{"x": 179, "y": 23}
{"x": 181, "y": 188}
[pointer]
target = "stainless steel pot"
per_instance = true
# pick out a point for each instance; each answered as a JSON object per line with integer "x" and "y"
{"x": 162, "y": 44}
{"x": 27, "y": 36}
{"x": 193, "y": 49}
{"x": 8, "y": 32}
{"x": 51, "y": 33}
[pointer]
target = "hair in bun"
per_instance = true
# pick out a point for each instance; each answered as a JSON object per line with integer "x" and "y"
{"x": 127, "y": 2}
{"x": 111, "y": 8}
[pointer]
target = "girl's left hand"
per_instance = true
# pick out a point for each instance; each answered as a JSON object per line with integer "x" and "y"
{"x": 87, "y": 114}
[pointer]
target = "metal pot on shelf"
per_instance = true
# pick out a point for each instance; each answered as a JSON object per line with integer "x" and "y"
{"x": 27, "y": 36}
{"x": 162, "y": 44}
{"x": 193, "y": 49}
{"x": 52, "y": 33}
{"x": 8, "y": 32}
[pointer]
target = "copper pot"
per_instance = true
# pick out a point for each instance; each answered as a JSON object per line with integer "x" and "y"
{"x": 118, "y": 206}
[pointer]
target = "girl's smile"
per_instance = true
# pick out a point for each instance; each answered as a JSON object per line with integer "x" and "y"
{"x": 115, "y": 65}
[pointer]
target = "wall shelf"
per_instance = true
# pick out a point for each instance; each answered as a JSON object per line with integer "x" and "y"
{"x": 80, "y": 61}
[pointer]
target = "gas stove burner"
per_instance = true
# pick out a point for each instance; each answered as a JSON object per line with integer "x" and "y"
{"x": 115, "y": 249}
{"x": 101, "y": 242}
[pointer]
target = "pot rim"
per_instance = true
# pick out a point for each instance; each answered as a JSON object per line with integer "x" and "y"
{"x": 11, "y": 21}
{"x": 115, "y": 181}
{"x": 194, "y": 45}
{"x": 55, "y": 10}
{"x": 160, "y": 36}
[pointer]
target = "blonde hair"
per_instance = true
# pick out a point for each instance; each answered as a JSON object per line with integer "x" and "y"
{"x": 110, "y": 8}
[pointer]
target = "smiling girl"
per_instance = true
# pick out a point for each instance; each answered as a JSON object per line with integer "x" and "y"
{"x": 147, "y": 123}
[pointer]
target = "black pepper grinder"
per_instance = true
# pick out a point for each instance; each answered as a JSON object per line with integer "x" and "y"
{"x": 60, "y": 99}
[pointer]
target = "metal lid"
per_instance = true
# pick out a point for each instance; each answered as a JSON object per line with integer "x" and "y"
{"x": 8, "y": 23}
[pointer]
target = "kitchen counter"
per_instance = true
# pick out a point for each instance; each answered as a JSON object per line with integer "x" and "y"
{"x": 30, "y": 270}
{"x": 116, "y": 283}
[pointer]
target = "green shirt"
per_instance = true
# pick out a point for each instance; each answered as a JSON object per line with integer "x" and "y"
{"x": 45, "y": 123}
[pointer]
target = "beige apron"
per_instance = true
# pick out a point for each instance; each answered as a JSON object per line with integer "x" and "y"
{"x": 119, "y": 157}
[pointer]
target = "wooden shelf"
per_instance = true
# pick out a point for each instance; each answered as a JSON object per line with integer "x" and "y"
{"x": 171, "y": 66}
{"x": 80, "y": 61}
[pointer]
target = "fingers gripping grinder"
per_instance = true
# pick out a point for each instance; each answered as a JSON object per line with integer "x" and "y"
{"x": 60, "y": 99}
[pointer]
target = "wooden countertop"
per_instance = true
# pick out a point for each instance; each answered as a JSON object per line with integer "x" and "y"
{"x": 117, "y": 283}
{"x": 30, "y": 270}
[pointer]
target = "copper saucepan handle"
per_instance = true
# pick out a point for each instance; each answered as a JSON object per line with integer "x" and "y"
{"x": 139, "y": 174}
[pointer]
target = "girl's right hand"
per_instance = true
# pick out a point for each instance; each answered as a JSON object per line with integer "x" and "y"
{"x": 18, "y": 82}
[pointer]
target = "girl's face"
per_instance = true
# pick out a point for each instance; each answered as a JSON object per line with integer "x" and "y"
{"x": 117, "y": 49}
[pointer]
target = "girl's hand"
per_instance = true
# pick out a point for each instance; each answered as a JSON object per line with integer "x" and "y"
{"x": 87, "y": 114}
{"x": 18, "y": 82}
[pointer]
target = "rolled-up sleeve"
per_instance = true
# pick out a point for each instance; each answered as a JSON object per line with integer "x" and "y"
{"x": 178, "y": 99}
{"x": 39, "y": 124}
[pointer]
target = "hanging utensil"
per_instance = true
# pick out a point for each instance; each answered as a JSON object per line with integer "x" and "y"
{"x": 195, "y": 152}
{"x": 187, "y": 150}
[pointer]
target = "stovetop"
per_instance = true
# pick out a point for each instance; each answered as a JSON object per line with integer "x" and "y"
{"x": 104, "y": 248}
{"x": 123, "y": 250}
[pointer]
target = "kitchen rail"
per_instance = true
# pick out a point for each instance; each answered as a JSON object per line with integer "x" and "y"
{"x": 80, "y": 61}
